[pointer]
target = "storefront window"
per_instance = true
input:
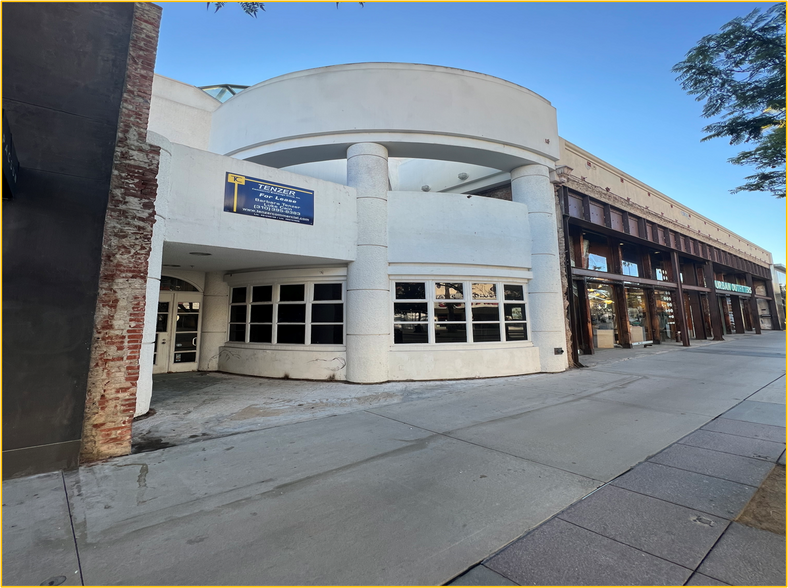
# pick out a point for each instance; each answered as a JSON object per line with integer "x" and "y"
{"x": 603, "y": 316}
{"x": 293, "y": 314}
{"x": 459, "y": 312}
{"x": 630, "y": 260}
{"x": 596, "y": 252}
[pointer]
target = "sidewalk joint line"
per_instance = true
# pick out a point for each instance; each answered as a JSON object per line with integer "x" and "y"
{"x": 73, "y": 531}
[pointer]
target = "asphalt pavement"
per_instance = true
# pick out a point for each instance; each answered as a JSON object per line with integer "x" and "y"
{"x": 527, "y": 480}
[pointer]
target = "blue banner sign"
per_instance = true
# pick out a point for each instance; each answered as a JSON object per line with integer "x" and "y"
{"x": 732, "y": 287}
{"x": 256, "y": 197}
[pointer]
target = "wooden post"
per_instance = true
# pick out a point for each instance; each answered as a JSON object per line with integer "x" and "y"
{"x": 697, "y": 315}
{"x": 681, "y": 314}
{"x": 585, "y": 317}
{"x": 622, "y": 316}
{"x": 772, "y": 305}
{"x": 714, "y": 304}
{"x": 573, "y": 328}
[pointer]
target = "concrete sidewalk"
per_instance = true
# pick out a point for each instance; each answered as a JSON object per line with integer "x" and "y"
{"x": 413, "y": 492}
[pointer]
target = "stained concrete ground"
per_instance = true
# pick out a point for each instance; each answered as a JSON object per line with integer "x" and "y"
{"x": 419, "y": 486}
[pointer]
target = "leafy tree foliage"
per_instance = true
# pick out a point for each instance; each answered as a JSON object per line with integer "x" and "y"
{"x": 740, "y": 73}
{"x": 250, "y": 8}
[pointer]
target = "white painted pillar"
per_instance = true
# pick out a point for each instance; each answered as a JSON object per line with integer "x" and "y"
{"x": 368, "y": 297}
{"x": 145, "y": 379}
{"x": 531, "y": 186}
{"x": 213, "y": 330}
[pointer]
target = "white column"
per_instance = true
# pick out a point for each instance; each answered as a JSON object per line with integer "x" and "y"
{"x": 368, "y": 297}
{"x": 213, "y": 331}
{"x": 531, "y": 186}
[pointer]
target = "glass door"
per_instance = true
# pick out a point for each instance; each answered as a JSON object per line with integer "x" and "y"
{"x": 176, "y": 348}
{"x": 603, "y": 316}
{"x": 665, "y": 315}
{"x": 637, "y": 313}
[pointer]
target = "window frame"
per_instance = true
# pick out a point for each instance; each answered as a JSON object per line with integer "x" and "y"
{"x": 309, "y": 302}
{"x": 467, "y": 299}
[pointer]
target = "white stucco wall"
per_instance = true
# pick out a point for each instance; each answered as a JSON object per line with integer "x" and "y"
{"x": 441, "y": 228}
{"x": 413, "y": 110}
{"x": 180, "y": 112}
{"x": 196, "y": 215}
{"x": 455, "y": 362}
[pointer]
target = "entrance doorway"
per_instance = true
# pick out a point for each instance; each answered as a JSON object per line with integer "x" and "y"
{"x": 638, "y": 316}
{"x": 603, "y": 316}
{"x": 177, "y": 344}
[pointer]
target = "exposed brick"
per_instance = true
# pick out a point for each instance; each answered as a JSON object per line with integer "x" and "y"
{"x": 128, "y": 228}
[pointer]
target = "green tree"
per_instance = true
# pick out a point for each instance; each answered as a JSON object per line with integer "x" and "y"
{"x": 740, "y": 73}
{"x": 250, "y": 8}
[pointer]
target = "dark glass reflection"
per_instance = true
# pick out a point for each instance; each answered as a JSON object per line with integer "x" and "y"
{"x": 328, "y": 292}
{"x": 290, "y": 334}
{"x": 487, "y": 332}
{"x": 185, "y": 341}
{"x": 239, "y": 295}
{"x": 164, "y": 306}
{"x": 410, "y": 334}
{"x": 188, "y": 357}
{"x": 327, "y": 313}
{"x": 161, "y": 323}
{"x": 261, "y": 313}
{"x": 450, "y": 333}
{"x": 237, "y": 332}
{"x": 186, "y": 322}
{"x": 410, "y": 291}
{"x": 259, "y": 333}
{"x": 484, "y": 311}
{"x": 261, "y": 293}
{"x": 238, "y": 314}
{"x": 512, "y": 292}
{"x": 291, "y": 313}
{"x": 327, "y": 334}
{"x": 291, "y": 293}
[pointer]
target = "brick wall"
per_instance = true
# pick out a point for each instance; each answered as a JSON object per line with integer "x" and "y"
{"x": 120, "y": 310}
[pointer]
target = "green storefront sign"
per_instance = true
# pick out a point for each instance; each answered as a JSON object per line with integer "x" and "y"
{"x": 732, "y": 287}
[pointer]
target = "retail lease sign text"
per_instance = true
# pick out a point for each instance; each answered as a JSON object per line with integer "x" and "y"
{"x": 256, "y": 197}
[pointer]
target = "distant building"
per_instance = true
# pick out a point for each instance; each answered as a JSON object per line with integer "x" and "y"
{"x": 376, "y": 222}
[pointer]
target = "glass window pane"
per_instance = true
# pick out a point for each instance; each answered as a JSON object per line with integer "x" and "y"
{"x": 327, "y": 313}
{"x": 261, "y": 293}
{"x": 290, "y": 333}
{"x": 446, "y": 290}
{"x": 174, "y": 284}
{"x": 239, "y": 295}
{"x": 186, "y": 322}
{"x": 238, "y": 314}
{"x": 410, "y": 334}
{"x": 597, "y": 262}
{"x": 185, "y": 357}
{"x": 513, "y": 292}
{"x": 188, "y": 307}
{"x": 164, "y": 306}
{"x": 185, "y": 341}
{"x": 328, "y": 292}
{"x": 410, "y": 290}
{"x": 516, "y": 332}
{"x": 485, "y": 311}
{"x": 410, "y": 311}
{"x": 483, "y": 291}
{"x": 292, "y": 313}
{"x": 161, "y": 323}
{"x": 237, "y": 332}
{"x": 450, "y": 333}
{"x": 261, "y": 313}
{"x": 327, "y": 334}
{"x": 487, "y": 332}
{"x": 514, "y": 312}
{"x": 449, "y": 311}
{"x": 259, "y": 333}
{"x": 291, "y": 292}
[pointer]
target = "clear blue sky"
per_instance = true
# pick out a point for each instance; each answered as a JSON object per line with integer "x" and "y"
{"x": 606, "y": 67}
